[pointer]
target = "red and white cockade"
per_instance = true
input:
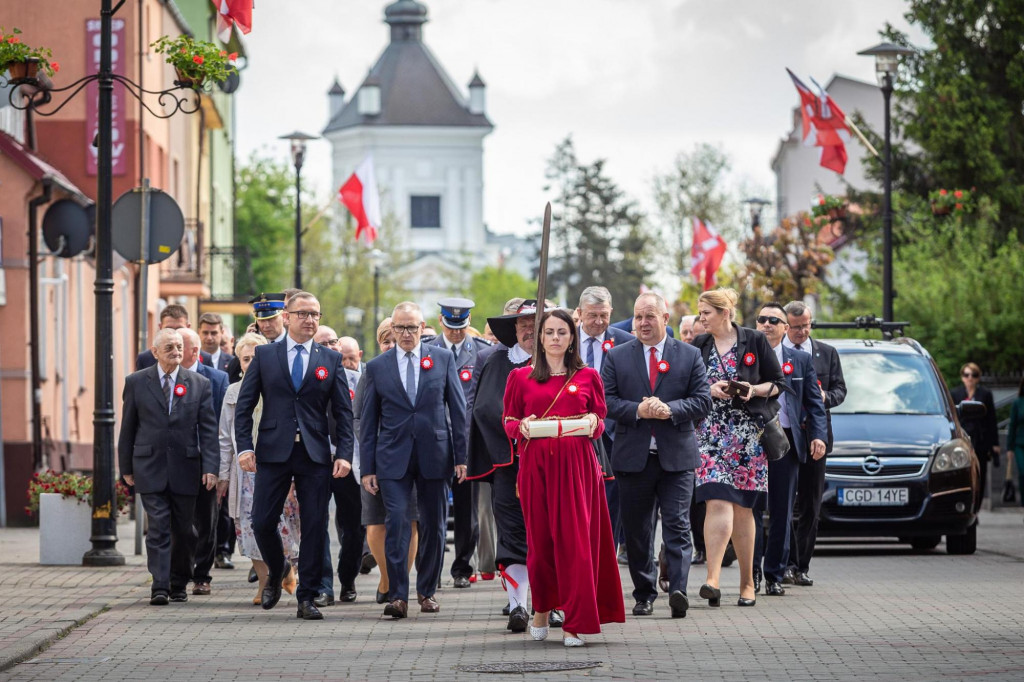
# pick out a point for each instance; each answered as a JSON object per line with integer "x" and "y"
{"x": 179, "y": 390}
{"x": 572, "y": 389}
{"x": 321, "y": 373}
{"x": 465, "y": 375}
{"x": 749, "y": 359}
{"x": 427, "y": 363}
{"x": 787, "y": 368}
{"x": 663, "y": 367}
{"x": 607, "y": 345}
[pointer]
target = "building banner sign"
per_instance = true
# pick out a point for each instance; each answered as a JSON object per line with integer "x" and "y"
{"x": 118, "y": 57}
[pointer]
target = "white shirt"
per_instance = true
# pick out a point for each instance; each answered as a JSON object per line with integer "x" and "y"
{"x": 174, "y": 381}
{"x": 516, "y": 355}
{"x": 450, "y": 346}
{"x": 783, "y": 415}
{"x": 403, "y": 362}
{"x": 805, "y": 346}
{"x": 215, "y": 359}
{"x": 659, "y": 352}
{"x": 598, "y": 348}
{"x": 292, "y": 343}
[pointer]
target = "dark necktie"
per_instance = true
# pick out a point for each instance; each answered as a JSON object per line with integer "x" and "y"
{"x": 455, "y": 352}
{"x": 297, "y": 367}
{"x": 410, "y": 377}
{"x": 167, "y": 392}
{"x": 590, "y": 351}
{"x": 652, "y": 366}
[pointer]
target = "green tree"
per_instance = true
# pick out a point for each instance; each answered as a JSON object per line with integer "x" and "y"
{"x": 491, "y": 286}
{"x": 598, "y": 236}
{"x": 960, "y": 104}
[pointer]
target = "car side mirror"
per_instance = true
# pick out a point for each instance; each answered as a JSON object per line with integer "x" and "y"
{"x": 971, "y": 409}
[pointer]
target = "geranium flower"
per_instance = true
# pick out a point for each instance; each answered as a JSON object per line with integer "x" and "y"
{"x": 198, "y": 59}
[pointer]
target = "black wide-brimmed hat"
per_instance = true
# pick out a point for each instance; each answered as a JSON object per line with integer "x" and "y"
{"x": 504, "y": 326}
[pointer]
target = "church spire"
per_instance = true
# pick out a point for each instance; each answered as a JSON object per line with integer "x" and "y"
{"x": 406, "y": 18}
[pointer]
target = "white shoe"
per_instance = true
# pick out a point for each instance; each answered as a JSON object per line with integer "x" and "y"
{"x": 573, "y": 641}
{"x": 539, "y": 634}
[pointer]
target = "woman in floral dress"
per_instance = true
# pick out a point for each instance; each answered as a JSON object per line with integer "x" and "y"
{"x": 733, "y": 473}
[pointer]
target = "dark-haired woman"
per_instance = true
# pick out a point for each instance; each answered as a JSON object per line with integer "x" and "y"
{"x": 984, "y": 430}
{"x": 571, "y": 559}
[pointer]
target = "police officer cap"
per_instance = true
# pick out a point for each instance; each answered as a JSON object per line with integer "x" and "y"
{"x": 455, "y": 312}
{"x": 266, "y": 306}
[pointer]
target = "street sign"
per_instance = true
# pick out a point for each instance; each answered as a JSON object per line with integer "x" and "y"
{"x": 166, "y": 225}
{"x": 68, "y": 227}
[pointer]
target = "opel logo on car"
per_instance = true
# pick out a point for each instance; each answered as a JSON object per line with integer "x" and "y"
{"x": 871, "y": 465}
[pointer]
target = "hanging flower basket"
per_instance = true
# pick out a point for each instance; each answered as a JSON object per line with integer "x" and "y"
{"x": 828, "y": 205}
{"x": 26, "y": 69}
{"x": 946, "y": 201}
{"x": 23, "y": 61}
{"x": 196, "y": 61}
{"x": 188, "y": 81}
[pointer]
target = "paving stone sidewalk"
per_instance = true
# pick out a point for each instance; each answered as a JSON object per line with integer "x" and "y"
{"x": 880, "y": 612}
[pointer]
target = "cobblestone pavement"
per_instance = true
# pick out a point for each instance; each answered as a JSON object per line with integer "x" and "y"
{"x": 880, "y": 612}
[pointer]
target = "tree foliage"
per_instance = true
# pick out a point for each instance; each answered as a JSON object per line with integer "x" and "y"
{"x": 598, "y": 236}
{"x": 265, "y": 225}
{"x": 490, "y": 287}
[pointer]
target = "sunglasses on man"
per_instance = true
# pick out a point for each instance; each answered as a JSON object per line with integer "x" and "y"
{"x": 970, "y": 375}
{"x": 761, "y": 319}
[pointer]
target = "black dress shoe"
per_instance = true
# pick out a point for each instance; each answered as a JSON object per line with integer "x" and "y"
{"x": 678, "y": 602}
{"x": 461, "y": 582}
{"x": 556, "y": 618}
{"x": 788, "y": 578}
{"x": 252, "y": 575}
{"x": 272, "y": 592}
{"x": 179, "y": 596}
{"x": 323, "y": 599}
{"x": 774, "y": 589}
{"x": 730, "y": 556}
{"x": 699, "y": 558}
{"x": 505, "y": 611}
{"x": 223, "y": 561}
{"x": 368, "y": 563}
{"x": 758, "y": 577}
{"x": 743, "y": 601}
{"x": 643, "y": 608}
{"x": 308, "y": 611}
{"x": 803, "y": 579}
{"x": 158, "y": 599}
{"x": 518, "y": 620}
{"x": 349, "y": 594}
{"x": 712, "y": 594}
{"x": 382, "y": 597}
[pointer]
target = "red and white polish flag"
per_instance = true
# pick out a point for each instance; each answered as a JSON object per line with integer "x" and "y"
{"x": 361, "y": 198}
{"x": 233, "y": 12}
{"x": 706, "y": 254}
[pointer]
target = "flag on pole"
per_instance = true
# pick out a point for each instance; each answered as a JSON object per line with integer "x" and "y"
{"x": 706, "y": 254}
{"x": 823, "y": 125}
{"x": 233, "y": 12}
{"x": 361, "y": 198}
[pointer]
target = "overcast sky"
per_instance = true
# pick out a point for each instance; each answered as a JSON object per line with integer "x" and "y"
{"x": 634, "y": 81}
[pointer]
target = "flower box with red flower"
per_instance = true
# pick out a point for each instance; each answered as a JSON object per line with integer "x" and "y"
{"x": 427, "y": 364}
{"x": 321, "y": 373}
{"x": 607, "y": 345}
{"x": 465, "y": 375}
{"x": 21, "y": 60}
{"x": 828, "y": 205}
{"x": 180, "y": 390}
{"x": 663, "y": 367}
{"x": 749, "y": 359}
{"x": 196, "y": 61}
{"x": 787, "y": 368}
{"x": 955, "y": 201}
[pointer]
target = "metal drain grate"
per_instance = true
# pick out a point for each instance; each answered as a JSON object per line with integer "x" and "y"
{"x": 528, "y": 666}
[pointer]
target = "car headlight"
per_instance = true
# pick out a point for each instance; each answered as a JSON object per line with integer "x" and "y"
{"x": 953, "y": 455}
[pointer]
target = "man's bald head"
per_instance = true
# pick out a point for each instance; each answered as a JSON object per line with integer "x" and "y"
{"x": 351, "y": 355}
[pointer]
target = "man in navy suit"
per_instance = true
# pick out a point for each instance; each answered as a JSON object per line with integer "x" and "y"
{"x": 455, "y": 318}
{"x": 656, "y": 388}
{"x": 299, "y": 381}
{"x": 206, "y": 515}
{"x": 802, "y": 414}
{"x": 412, "y": 431}
{"x": 596, "y": 339}
{"x": 211, "y": 330}
{"x": 173, "y": 316}
{"x": 168, "y": 450}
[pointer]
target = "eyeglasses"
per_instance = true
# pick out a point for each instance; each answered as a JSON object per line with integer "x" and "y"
{"x": 331, "y": 342}
{"x": 769, "y": 318}
{"x": 306, "y": 314}
{"x": 402, "y": 329}
{"x": 970, "y": 375}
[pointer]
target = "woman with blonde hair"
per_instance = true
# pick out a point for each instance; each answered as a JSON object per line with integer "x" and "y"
{"x": 239, "y": 485}
{"x": 733, "y": 472}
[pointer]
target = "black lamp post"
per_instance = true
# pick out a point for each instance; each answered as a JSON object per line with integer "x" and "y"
{"x": 887, "y": 57}
{"x": 377, "y": 262}
{"x": 298, "y": 141}
{"x": 755, "y": 206}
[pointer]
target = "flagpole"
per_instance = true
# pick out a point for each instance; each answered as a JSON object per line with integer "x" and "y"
{"x": 852, "y": 126}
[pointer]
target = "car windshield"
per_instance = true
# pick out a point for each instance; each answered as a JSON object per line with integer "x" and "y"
{"x": 889, "y": 383}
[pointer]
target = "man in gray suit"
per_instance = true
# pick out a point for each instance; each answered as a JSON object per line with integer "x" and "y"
{"x": 168, "y": 450}
{"x": 656, "y": 388}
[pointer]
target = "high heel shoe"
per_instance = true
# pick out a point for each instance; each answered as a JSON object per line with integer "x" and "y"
{"x": 712, "y": 594}
{"x": 289, "y": 583}
{"x": 539, "y": 634}
{"x": 743, "y": 601}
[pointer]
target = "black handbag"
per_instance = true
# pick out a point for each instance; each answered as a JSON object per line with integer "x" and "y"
{"x": 774, "y": 440}
{"x": 1009, "y": 492}
{"x": 603, "y": 460}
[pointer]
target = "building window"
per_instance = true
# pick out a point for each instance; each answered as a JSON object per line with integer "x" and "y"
{"x": 425, "y": 211}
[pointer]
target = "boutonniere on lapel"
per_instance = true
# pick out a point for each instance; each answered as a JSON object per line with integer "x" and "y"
{"x": 427, "y": 364}
{"x": 749, "y": 359}
{"x": 607, "y": 345}
{"x": 321, "y": 373}
{"x": 663, "y": 367}
{"x": 787, "y": 368}
{"x": 572, "y": 389}
{"x": 180, "y": 390}
{"x": 465, "y": 375}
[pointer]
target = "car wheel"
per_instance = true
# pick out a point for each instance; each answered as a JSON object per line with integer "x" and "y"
{"x": 926, "y": 542}
{"x": 963, "y": 544}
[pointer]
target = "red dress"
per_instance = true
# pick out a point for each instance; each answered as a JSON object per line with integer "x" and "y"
{"x": 571, "y": 552}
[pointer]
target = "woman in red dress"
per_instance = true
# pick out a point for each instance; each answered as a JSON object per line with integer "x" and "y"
{"x": 571, "y": 557}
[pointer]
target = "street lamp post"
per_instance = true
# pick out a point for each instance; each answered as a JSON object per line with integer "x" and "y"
{"x": 377, "y": 262}
{"x": 886, "y": 65}
{"x": 298, "y": 149}
{"x": 755, "y": 206}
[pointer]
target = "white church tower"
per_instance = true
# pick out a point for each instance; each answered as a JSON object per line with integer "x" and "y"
{"x": 426, "y": 138}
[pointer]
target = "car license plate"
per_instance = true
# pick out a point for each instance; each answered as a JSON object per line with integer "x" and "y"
{"x": 874, "y": 497}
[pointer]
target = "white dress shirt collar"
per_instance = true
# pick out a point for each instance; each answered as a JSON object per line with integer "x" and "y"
{"x": 517, "y": 355}
{"x": 660, "y": 346}
{"x": 805, "y": 346}
{"x": 291, "y": 343}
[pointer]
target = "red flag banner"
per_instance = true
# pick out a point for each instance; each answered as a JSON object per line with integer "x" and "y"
{"x": 823, "y": 125}
{"x": 361, "y": 198}
{"x": 233, "y": 12}
{"x": 706, "y": 254}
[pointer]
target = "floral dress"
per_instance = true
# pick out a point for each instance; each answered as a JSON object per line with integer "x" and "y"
{"x": 288, "y": 526}
{"x": 732, "y": 464}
